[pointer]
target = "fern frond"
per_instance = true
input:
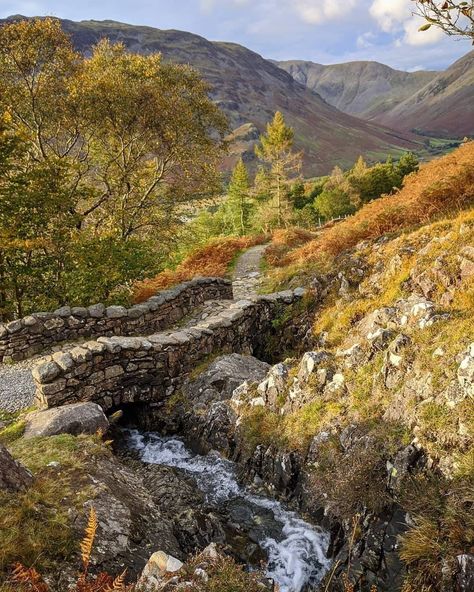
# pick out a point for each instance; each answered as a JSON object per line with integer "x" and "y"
{"x": 88, "y": 540}
{"x": 118, "y": 585}
{"x": 29, "y": 577}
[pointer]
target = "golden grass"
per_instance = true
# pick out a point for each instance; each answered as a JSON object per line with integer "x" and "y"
{"x": 440, "y": 188}
{"x": 213, "y": 260}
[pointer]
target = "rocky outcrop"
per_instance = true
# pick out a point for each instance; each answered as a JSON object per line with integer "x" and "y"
{"x": 13, "y": 476}
{"x": 203, "y": 416}
{"x": 120, "y": 370}
{"x": 78, "y": 418}
{"x": 22, "y": 338}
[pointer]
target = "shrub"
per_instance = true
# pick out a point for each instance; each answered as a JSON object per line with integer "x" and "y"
{"x": 440, "y": 188}
{"x": 213, "y": 260}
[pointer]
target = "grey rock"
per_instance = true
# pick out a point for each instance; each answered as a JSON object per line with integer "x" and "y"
{"x": 46, "y": 372}
{"x": 78, "y": 418}
{"x": 14, "y": 326}
{"x": 13, "y": 476}
{"x": 96, "y": 311}
{"x": 116, "y": 312}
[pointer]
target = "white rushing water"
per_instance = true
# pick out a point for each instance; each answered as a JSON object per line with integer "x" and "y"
{"x": 295, "y": 560}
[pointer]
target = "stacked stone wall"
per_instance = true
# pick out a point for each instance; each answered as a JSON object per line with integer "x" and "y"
{"x": 33, "y": 334}
{"x": 113, "y": 371}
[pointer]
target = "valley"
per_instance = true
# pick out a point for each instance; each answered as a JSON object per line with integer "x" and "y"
{"x": 236, "y": 303}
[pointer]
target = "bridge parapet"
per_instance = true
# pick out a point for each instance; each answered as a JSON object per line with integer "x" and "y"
{"x": 35, "y": 333}
{"x": 113, "y": 371}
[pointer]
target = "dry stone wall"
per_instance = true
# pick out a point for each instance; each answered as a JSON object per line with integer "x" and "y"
{"x": 33, "y": 334}
{"x": 113, "y": 371}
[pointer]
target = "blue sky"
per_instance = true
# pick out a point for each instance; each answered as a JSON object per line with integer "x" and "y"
{"x": 325, "y": 31}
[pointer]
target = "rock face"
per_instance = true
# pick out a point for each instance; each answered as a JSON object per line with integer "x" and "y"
{"x": 205, "y": 418}
{"x": 23, "y": 338}
{"x": 78, "y": 418}
{"x": 13, "y": 476}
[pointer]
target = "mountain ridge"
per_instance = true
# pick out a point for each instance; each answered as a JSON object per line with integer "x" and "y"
{"x": 396, "y": 98}
{"x": 250, "y": 89}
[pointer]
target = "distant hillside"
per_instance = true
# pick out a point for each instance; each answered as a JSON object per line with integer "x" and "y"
{"x": 444, "y": 107}
{"x": 250, "y": 89}
{"x": 432, "y": 103}
{"x": 365, "y": 89}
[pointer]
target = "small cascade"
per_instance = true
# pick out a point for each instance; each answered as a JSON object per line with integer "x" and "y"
{"x": 296, "y": 557}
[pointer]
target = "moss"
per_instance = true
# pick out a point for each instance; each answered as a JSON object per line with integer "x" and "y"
{"x": 12, "y": 432}
{"x": 204, "y": 365}
{"x": 35, "y": 523}
{"x": 70, "y": 452}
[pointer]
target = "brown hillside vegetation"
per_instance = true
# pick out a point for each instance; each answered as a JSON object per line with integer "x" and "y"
{"x": 442, "y": 187}
{"x": 213, "y": 260}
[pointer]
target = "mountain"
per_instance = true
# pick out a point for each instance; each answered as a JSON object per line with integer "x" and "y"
{"x": 431, "y": 103}
{"x": 250, "y": 89}
{"x": 444, "y": 107}
{"x": 365, "y": 89}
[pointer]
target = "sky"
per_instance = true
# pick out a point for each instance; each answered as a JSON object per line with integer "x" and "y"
{"x": 323, "y": 31}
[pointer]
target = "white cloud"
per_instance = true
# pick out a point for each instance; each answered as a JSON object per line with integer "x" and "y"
{"x": 415, "y": 37}
{"x": 319, "y": 11}
{"x": 395, "y": 16}
{"x": 390, "y": 14}
{"x": 365, "y": 40}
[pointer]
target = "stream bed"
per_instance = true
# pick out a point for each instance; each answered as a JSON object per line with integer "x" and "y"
{"x": 295, "y": 549}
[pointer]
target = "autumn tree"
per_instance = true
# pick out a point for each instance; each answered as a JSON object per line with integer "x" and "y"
{"x": 152, "y": 143}
{"x": 109, "y": 152}
{"x": 452, "y": 17}
{"x": 282, "y": 165}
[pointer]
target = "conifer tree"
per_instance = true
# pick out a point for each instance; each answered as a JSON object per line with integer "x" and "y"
{"x": 283, "y": 165}
{"x": 239, "y": 205}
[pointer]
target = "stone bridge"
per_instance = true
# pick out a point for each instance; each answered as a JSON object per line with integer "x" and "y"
{"x": 23, "y": 338}
{"x": 116, "y": 370}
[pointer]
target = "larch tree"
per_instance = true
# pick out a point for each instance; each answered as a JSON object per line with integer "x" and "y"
{"x": 239, "y": 205}
{"x": 283, "y": 165}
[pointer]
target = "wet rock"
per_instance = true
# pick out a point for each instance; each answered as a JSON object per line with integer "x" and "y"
{"x": 464, "y": 580}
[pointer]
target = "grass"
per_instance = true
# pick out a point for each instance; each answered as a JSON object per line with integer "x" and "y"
{"x": 443, "y": 527}
{"x": 214, "y": 260}
{"x": 35, "y": 524}
{"x": 442, "y": 188}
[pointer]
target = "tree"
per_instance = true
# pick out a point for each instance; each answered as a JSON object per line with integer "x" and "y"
{"x": 407, "y": 164}
{"x": 452, "y": 17}
{"x": 157, "y": 139}
{"x": 100, "y": 159}
{"x": 282, "y": 164}
{"x": 238, "y": 205}
{"x": 334, "y": 203}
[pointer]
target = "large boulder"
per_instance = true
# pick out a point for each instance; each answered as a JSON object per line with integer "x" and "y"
{"x": 206, "y": 420}
{"x": 13, "y": 476}
{"x": 221, "y": 378}
{"x": 78, "y": 418}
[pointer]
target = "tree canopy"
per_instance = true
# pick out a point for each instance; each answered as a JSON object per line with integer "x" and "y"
{"x": 102, "y": 157}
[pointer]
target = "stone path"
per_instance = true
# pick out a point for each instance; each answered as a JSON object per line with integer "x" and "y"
{"x": 247, "y": 275}
{"x": 16, "y": 382}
